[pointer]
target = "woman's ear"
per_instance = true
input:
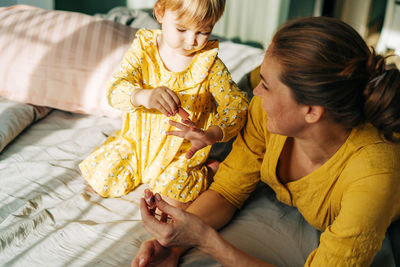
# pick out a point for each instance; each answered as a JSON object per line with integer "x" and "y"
{"x": 158, "y": 13}
{"x": 314, "y": 114}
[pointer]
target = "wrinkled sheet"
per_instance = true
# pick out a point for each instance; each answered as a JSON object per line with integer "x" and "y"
{"x": 48, "y": 218}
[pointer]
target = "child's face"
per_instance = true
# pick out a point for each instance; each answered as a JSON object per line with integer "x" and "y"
{"x": 181, "y": 39}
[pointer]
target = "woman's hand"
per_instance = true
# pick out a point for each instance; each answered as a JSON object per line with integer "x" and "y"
{"x": 197, "y": 136}
{"x": 161, "y": 98}
{"x": 184, "y": 229}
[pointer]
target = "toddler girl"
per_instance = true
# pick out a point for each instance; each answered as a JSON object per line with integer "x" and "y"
{"x": 169, "y": 74}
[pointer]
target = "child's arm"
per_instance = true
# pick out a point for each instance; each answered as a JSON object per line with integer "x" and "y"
{"x": 125, "y": 89}
{"x": 127, "y": 80}
{"x": 232, "y": 102}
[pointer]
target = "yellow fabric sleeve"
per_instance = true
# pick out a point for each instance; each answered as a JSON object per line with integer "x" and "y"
{"x": 128, "y": 79}
{"x": 238, "y": 174}
{"x": 232, "y": 103}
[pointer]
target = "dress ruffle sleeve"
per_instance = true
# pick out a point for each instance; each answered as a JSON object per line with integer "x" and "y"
{"x": 129, "y": 77}
{"x": 232, "y": 103}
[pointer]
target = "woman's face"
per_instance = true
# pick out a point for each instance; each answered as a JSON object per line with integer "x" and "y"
{"x": 285, "y": 115}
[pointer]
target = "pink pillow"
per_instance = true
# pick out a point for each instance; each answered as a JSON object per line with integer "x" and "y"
{"x": 60, "y": 59}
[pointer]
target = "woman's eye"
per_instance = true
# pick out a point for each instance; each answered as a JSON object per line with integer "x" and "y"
{"x": 181, "y": 30}
{"x": 205, "y": 33}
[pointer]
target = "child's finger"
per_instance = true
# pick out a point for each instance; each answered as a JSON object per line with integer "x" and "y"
{"x": 176, "y": 133}
{"x": 178, "y": 125}
{"x": 191, "y": 152}
{"x": 174, "y": 97}
{"x": 160, "y": 108}
{"x": 164, "y": 107}
{"x": 169, "y": 104}
{"x": 189, "y": 122}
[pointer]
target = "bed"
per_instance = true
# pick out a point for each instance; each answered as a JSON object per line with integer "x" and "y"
{"x": 53, "y": 114}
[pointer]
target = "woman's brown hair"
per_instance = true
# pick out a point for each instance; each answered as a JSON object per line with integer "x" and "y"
{"x": 326, "y": 62}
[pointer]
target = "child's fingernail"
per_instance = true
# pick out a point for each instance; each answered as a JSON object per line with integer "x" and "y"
{"x": 158, "y": 197}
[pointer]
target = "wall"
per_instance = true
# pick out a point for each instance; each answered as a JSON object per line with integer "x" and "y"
{"x": 361, "y": 14}
{"x": 46, "y": 4}
{"x": 88, "y": 6}
{"x": 140, "y": 3}
{"x": 255, "y": 21}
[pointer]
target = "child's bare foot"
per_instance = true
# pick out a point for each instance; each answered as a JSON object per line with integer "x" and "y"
{"x": 212, "y": 166}
{"x": 149, "y": 197}
{"x": 176, "y": 203}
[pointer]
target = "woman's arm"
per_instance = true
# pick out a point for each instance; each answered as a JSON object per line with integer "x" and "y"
{"x": 213, "y": 209}
{"x": 187, "y": 229}
{"x": 225, "y": 253}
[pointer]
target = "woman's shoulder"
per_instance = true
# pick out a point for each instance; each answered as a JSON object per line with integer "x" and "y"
{"x": 369, "y": 154}
{"x": 368, "y": 141}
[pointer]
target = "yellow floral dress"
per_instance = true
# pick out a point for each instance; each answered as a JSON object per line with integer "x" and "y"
{"x": 141, "y": 152}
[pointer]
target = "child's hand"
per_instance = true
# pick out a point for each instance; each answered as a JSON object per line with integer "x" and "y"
{"x": 197, "y": 137}
{"x": 161, "y": 98}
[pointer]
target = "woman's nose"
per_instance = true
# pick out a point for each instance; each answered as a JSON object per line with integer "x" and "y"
{"x": 256, "y": 90}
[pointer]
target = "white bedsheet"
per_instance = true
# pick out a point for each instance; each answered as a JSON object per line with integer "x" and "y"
{"x": 47, "y": 216}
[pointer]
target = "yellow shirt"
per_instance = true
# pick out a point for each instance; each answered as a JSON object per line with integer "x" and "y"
{"x": 141, "y": 152}
{"x": 352, "y": 198}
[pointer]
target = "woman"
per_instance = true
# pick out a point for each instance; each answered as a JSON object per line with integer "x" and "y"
{"x": 321, "y": 132}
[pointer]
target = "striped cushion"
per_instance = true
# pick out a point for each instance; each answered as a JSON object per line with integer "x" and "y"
{"x": 60, "y": 59}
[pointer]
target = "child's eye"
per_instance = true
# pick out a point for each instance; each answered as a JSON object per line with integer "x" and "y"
{"x": 181, "y": 30}
{"x": 205, "y": 33}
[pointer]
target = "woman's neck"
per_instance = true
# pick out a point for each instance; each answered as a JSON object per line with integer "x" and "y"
{"x": 322, "y": 142}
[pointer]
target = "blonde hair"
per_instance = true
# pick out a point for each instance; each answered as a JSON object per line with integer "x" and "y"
{"x": 192, "y": 13}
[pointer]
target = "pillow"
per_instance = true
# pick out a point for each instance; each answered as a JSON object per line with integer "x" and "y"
{"x": 134, "y": 18}
{"x": 15, "y": 117}
{"x": 60, "y": 59}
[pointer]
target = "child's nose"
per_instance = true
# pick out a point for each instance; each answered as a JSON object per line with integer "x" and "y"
{"x": 190, "y": 39}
